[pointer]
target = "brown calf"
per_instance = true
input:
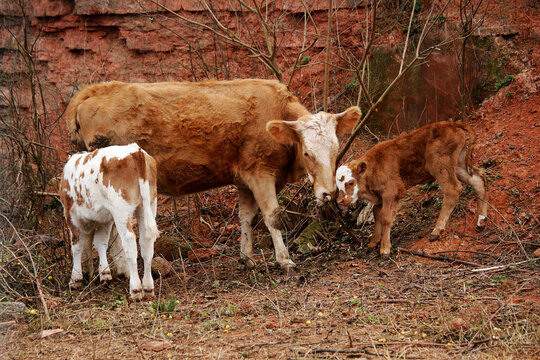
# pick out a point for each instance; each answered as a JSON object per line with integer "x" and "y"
{"x": 440, "y": 152}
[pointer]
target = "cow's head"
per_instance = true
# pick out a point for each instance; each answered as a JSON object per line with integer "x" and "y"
{"x": 315, "y": 136}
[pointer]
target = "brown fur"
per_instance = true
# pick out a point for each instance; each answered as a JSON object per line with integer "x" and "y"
{"x": 440, "y": 151}
{"x": 202, "y": 135}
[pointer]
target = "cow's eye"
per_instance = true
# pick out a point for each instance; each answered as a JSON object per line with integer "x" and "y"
{"x": 350, "y": 183}
{"x": 306, "y": 155}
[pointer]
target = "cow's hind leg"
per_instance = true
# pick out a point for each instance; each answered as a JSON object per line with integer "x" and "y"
{"x": 101, "y": 242}
{"x": 451, "y": 187}
{"x": 79, "y": 242}
{"x": 264, "y": 191}
{"x": 247, "y": 209}
{"x": 129, "y": 244}
{"x": 477, "y": 179}
{"x": 146, "y": 243}
{"x": 117, "y": 254}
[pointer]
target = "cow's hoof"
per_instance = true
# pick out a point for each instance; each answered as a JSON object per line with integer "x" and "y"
{"x": 105, "y": 277}
{"x": 433, "y": 237}
{"x": 248, "y": 263}
{"x": 75, "y": 283}
{"x": 149, "y": 293}
{"x": 372, "y": 245}
{"x": 136, "y": 294}
{"x": 287, "y": 264}
{"x": 385, "y": 256}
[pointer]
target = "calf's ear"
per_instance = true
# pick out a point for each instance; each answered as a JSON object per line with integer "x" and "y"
{"x": 361, "y": 167}
{"x": 348, "y": 119}
{"x": 283, "y": 131}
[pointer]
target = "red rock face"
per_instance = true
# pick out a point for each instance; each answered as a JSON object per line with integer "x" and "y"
{"x": 89, "y": 41}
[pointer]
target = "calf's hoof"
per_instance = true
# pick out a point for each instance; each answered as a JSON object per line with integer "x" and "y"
{"x": 149, "y": 293}
{"x": 433, "y": 237}
{"x": 372, "y": 245}
{"x": 105, "y": 277}
{"x": 248, "y": 263}
{"x": 136, "y": 294}
{"x": 75, "y": 283}
{"x": 385, "y": 256}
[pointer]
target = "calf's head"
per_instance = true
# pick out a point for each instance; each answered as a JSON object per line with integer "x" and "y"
{"x": 317, "y": 144}
{"x": 350, "y": 183}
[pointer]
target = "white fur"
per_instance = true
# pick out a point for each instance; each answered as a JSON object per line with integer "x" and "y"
{"x": 346, "y": 173}
{"x": 321, "y": 143}
{"x": 480, "y": 220}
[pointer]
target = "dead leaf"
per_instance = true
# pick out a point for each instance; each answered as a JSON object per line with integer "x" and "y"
{"x": 155, "y": 346}
{"x": 50, "y": 332}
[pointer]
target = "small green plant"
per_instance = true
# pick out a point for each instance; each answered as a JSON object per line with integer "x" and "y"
{"x": 305, "y": 60}
{"x": 429, "y": 186}
{"x": 507, "y": 80}
{"x": 499, "y": 279}
{"x": 163, "y": 306}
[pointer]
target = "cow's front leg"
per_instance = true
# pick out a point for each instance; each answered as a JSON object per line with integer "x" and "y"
{"x": 264, "y": 191}
{"x": 247, "y": 209}
{"x": 386, "y": 216}
{"x": 376, "y": 236}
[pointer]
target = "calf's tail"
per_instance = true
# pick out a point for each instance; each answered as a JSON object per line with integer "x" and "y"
{"x": 145, "y": 183}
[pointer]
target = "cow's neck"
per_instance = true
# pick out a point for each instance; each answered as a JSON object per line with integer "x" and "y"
{"x": 298, "y": 167}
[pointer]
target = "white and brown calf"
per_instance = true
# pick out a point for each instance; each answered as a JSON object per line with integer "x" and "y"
{"x": 106, "y": 186}
{"x": 440, "y": 151}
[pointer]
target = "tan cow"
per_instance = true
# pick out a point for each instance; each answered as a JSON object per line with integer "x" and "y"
{"x": 441, "y": 152}
{"x": 106, "y": 186}
{"x": 251, "y": 133}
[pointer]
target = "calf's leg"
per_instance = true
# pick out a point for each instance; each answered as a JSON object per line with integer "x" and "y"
{"x": 101, "y": 242}
{"x": 247, "y": 209}
{"x": 146, "y": 243}
{"x": 129, "y": 244}
{"x": 386, "y": 219}
{"x": 117, "y": 254}
{"x": 478, "y": 182}
{"x": 78, "y": 245}
{"x": 376, "y": 236}
{"x": 451, "y": 188}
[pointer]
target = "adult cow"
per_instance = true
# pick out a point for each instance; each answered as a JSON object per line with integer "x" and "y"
{"x": 251, "y": 133}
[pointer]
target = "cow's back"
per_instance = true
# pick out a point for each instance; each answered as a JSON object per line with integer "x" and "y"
{"x": 199, "y": 133}
{"x": 407, "y": 154}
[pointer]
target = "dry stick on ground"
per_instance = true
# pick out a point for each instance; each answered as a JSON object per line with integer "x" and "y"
{"x": 438, "y": 257}
{"x": 35, "y": 276}
{"x": 511, "y": 229}
{"x": 505, "y": 266}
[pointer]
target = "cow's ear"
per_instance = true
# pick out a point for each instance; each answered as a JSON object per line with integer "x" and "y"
{"x": 362, "y": 167}
{"x": 283, "y": 131}
{"x": 347, "y": 119}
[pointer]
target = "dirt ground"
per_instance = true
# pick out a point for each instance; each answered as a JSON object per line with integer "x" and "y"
{"x": 480, "y": 300}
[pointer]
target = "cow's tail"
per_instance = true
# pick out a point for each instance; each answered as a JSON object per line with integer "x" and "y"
{"x": 72, "y": 122}
{"x": 470, "y": 140}
{"x": 145, "y": 183}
